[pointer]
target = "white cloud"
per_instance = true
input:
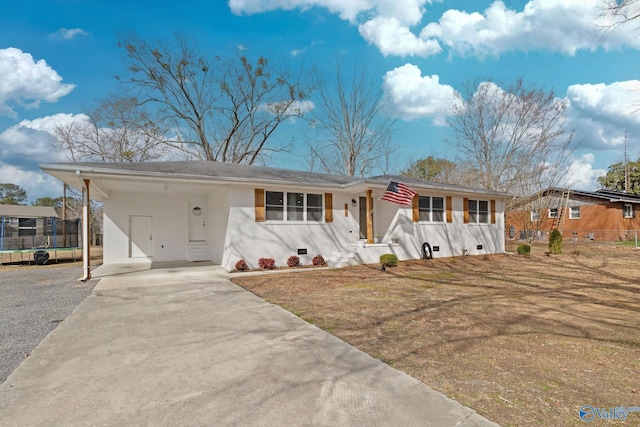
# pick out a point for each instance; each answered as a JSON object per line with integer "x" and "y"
{"x": 601, "y": 113}
{"x": 68, "y": 33}
{"x": 407, "y": 11}
{"x": 564, "y": 26}
{"x": 618, "y": 99}
{"x": 25, "y": 82}
{"x": 393, "y": 38}
{"x": 30, "y": 140}
{"x": 35, "y": 183}
{"x": 27, "y": 144}
{"x": 302, "y": 107}
{"x": 347, "y": 10}
{"x": 383, "y": 23}
{"x": 582, "y": 175}
{"x": 416, "y": 96}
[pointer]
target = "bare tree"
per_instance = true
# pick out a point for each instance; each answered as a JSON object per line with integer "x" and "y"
{"x": 229, "y": 108}
{"x": 529, "y": 215}
{"x": 621, "y": 11}
{"x": 115, "y": 131}
{"x": 354, "y": 133}
{"x": 515, "y": 138}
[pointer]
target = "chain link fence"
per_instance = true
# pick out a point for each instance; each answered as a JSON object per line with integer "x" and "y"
{"x": 630, "y": 238}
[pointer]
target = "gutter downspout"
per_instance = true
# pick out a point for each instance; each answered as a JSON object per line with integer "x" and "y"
{"x": 86, "y": 229}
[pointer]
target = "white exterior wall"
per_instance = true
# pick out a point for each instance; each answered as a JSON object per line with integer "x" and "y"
{"x": 453, "y": 239}
{"x": 170, "y": 227}
{"x": 233, "y": 234}
{"x": 218, "y": 219}
{"x": 170, "y": 214}
{"x": 250, "y": 240}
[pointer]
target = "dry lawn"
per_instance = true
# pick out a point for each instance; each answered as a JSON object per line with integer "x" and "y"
{"x": 523, "y": 341}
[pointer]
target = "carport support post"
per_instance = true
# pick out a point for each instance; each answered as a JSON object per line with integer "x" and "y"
{"x": 86, "y": 230}
{"x": 369, "y": 216}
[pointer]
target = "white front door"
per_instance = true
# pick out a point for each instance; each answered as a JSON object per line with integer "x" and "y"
{"x": 197, "y": 221}
{"x": 141, "y": 236}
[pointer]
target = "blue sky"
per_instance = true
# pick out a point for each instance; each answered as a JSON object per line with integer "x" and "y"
{"x": 58, "y": 56}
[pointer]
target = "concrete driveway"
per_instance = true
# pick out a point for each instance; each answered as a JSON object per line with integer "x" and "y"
{"x": 184, "y": 346}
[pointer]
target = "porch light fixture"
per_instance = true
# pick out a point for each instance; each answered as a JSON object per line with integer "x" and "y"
{"x": 354, "y": 203}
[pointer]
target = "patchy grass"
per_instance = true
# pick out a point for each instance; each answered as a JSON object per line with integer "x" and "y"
{"x": 524, "y": 341}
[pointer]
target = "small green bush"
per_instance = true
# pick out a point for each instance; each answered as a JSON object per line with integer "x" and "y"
{"x": 524, "y": 249}
{"x": 555, "y": 242}
{"x": 389, "y": 260}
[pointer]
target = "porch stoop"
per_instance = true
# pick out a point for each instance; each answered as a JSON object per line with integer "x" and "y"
{"x": 363, "y": 253}
{"x": 342, "y": 259}
{"x": 198, "y": 251}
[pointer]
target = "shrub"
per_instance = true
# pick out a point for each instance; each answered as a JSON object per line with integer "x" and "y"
{"x": 389, "y": 260}
{"x": 555, "y": 242}
{"x": 524, "y": 249}
{"x": 267, "y": 263}
{"x": 293, "y": 261}
{"x": 242, "y": 265}
{"x": 318, "y": 260}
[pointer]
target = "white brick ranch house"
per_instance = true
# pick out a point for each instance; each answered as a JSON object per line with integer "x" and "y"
{"x": 220, "y": 212}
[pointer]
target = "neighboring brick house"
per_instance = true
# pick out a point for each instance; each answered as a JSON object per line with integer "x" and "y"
{"x": 599, "y": 215}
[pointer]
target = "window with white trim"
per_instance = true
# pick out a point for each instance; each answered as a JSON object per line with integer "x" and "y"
{"x": 478, "y": 211}
{"x": 314, "y": 207}
{"x": 574, "y": 212}
{"x": 628, "y": 211}
{"x": 290, "y": 206}
{"x": 535, "y": 216}
{"x": 553, "y": 213}
{"x": 431, "y": 209}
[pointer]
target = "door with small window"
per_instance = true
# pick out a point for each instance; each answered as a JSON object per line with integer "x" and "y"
{"x": 197, "y": 222}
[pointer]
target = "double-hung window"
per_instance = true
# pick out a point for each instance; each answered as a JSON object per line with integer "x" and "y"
{"x": 478, "y": 211}
{"x": 535, "y": 215}
{"x": 553, "y": 213}
{"x": 314, "y": 207}
{"x": 275, "y": 205}
{"x": 290, "y": 206}
{"x": 628, "y": 211}
{"x": 295, "y": 206}
{"x": 431, "y": 209}
{"x": 574, "y": 212}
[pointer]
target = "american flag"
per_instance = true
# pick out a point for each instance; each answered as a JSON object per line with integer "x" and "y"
{"x": 399, "y": 193}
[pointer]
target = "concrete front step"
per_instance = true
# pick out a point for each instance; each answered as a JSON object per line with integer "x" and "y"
{"x": 198, "y": 251}
{"x": 342, "y": 259}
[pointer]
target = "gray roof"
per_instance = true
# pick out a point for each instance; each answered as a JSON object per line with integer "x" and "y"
{"x": 608, "y": 195}
{"x": 612, "y": 196}
{"x": 229, "y": 172}
{"x": 22, "y": 211}
{"x": 209, "y": 169}
{"x": 421, "y": 183}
